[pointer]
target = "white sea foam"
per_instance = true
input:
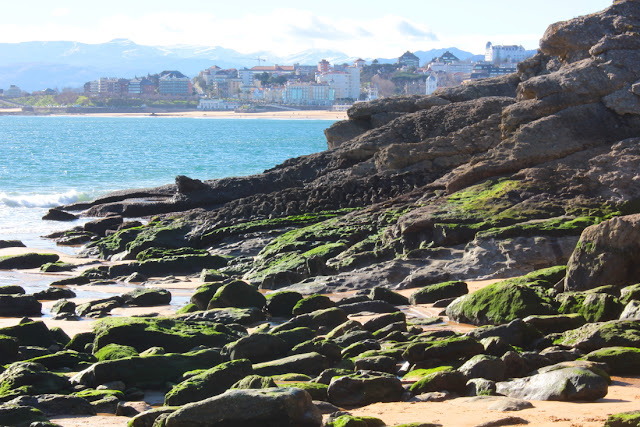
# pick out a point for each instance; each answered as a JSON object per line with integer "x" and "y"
{"x": 40, "y": 200}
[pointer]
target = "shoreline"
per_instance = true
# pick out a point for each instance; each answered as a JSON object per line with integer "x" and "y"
{"x": 272, "y": 115}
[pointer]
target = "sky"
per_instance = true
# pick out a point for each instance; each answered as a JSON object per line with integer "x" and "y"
{"x": 369, "y": 29}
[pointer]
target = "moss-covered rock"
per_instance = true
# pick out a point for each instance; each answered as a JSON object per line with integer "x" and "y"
{"x": 237, "y": 294}
{"x": 209, "y": 383}
{"x": 623, "y": 361}
{"x": 115, "y": 352}
{"x": 623, "y": 419}
{"x": 312, "y": 303}
{"x": 281, "y": 304}
{"x": 63, "y": 359}
{"x": 204, "y": 293}
{"x": 432, "y": 293}
{"x": 30, "y": 333}
{"x": 593, "y": 306}
{"x": 500, "y": 303}
{"x": 308, "y": 363}
{"x": 26, "y": 261}
{"x": 20, "y": 416}
{"x": 26, "y": 378}
{"x": 55, "y": 267}
{"x": 594, "y": 336}
{"x": 380, "y": 293}
{"x": 257, "y": 347}
{"x": 630, "y": 292}
{"x": 363, "y": 388}
{"x": 148, "y": 371}
{"x": 93, "y": 395}
{"x": 351, "y": 421}
{"x": 187, "y": 308}
{"x": 172, "y": 334}
{"x": 327, "y": 348}
{"x": 316, "y": 390}
{"x": 446, "y": 349}
{"x": 421, "y": 373}
{"x": 295, "y": 336}
{"x": 147, "y": 297}
{"x": 452, "y": 381}
{"x": 254, "y": 382}
{"x": 80, "y": 341}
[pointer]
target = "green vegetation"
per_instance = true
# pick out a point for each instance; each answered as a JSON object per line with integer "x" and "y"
{"x": 421, "y": 373}
{"x": 114, "y": 352}
{"x": 351, "y": 421}
{"x": 172, "y": 334}
{"x": 510, "y": 299}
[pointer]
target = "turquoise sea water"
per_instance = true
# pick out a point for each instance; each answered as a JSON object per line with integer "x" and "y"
{"x": 48, "y": 161}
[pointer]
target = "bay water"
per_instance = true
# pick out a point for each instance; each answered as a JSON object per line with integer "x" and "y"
{"x": 49, "y": 161}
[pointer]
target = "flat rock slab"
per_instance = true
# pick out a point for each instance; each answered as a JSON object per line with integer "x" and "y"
{"x": 566, "y": 384}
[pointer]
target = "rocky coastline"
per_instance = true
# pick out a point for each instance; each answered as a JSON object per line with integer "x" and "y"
{"x": 333, "y": 282}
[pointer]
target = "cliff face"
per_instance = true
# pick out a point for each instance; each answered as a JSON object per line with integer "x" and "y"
{"x": 498, "y": 177}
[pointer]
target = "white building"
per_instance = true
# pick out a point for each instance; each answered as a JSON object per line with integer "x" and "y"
{"x": 207, "y": 104}
{"x": 431, "y": 84}
{"x": 458, "y": 67}
{"x": 308, "y": 94}
{"x": 504, "y": 53}
{"x": 345, "y": 83}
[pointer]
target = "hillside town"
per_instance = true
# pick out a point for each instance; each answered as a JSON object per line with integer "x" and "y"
{"x": 323, "y": 86}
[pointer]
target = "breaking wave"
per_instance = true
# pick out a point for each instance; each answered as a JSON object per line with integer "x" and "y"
{"x": 41, "y": 200}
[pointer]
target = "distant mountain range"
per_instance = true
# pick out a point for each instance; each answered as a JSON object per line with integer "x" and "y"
{"x": 38, "y": 65}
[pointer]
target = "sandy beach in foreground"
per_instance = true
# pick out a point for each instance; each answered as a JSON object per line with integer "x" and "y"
{"x": 624, "y": 393}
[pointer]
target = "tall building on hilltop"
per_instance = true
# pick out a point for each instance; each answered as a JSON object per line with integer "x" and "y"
{"x": 324, "y": 66}
{"x": 345, "y": 83}
{"x": 501, "y": 54}
{"x": 174, "y": 83}
{"x": 408, "y": 59}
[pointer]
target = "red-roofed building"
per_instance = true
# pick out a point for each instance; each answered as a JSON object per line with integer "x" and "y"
{"x": 274, "y": 69}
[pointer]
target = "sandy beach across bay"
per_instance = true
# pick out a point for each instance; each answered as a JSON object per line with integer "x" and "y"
{"x": 272, "y": 115}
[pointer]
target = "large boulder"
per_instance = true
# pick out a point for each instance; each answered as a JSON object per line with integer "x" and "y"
{"x": 363, "y": 388}
{"x": 20, "y": 416}
{"x": 451, "y": 381}
{"x": 172, "y": 334}
{"x": 564, "y": 384}
{"x": 607, "y": 254}
{"x": 147, "y": 297}
{"x": 19, "y": 306}
{"x": 237, "y": 294}
{"x": 623, "y": 361}
{"x": 279, "y": 407}
{"x": 145, "y": 371}
{"x": 209, "y": 383}
{"x": 257, "y": 347}
{"x": 280, "y": 304}
{"x": 594, "y": 336}
{"x": 499, "y": 303}
{"x": 307, "y": 363}
{"x": 27, "y": 378}
{"x": 26, "y": 261}
{"x": 438, "y": 291}
{"x": 446, "y": 349}
{"x": 56, "y": 404}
